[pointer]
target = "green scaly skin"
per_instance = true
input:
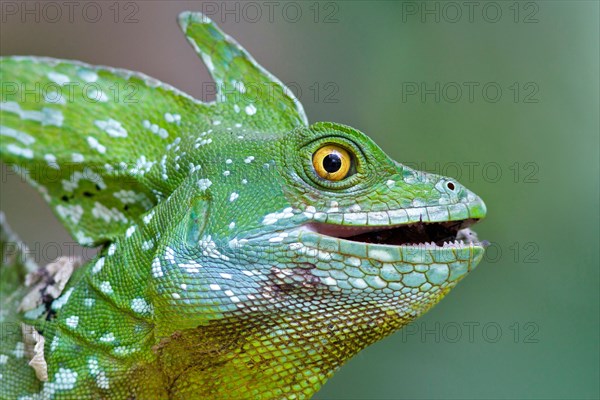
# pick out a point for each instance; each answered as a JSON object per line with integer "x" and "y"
{"x": 227, "y": 269}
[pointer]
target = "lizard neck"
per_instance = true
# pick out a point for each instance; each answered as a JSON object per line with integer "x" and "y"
{"x": 289, "y": 354}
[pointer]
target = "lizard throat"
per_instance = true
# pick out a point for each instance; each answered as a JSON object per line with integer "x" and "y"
{"x": 413, "y": 234}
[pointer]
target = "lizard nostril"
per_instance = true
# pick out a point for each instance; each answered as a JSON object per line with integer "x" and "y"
{"x": 450, "y": 185}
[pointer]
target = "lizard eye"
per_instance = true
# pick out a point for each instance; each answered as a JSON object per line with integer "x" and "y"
{"x": 332, "y": 162}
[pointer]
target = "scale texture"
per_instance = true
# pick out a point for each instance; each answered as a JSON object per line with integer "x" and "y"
{"x": 245, "y": 254}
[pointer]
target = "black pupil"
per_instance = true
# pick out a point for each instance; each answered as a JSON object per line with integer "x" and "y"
{"x": 332, "y": 162}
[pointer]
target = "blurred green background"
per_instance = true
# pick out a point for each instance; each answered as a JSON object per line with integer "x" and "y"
{"x": 500, "y": 95}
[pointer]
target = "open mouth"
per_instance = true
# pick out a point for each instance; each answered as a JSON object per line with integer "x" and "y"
{"x": 413, "y": 234}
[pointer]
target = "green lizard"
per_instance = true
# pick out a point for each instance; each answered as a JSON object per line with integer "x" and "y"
{"x": 244, "y": 253}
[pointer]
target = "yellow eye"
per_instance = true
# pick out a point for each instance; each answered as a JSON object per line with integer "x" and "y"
{"x": 332, "y": 162}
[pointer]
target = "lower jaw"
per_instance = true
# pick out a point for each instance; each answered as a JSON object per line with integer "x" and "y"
{"x": 317, "y": 245}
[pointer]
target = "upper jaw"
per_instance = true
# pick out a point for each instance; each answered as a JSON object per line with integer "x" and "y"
{"x": 442, "y": 226}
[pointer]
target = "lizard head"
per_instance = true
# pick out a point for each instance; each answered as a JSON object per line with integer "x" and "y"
{"x": 361, "y": 228}
{"x": 323, "y": 229}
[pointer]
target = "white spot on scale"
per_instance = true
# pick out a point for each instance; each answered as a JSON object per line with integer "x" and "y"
{"x": 106, "y": 288}
{"x": 203, "y": 142}
{"x": 16, "y": 134}
{"x": 26, "y": 153}
{"x": 88, "y": 174}
{"x": 72, "y": 212}
{"x": 381, "y": 255}
{"x": 176, "y": 118}
{"x": 62, "y": 300}
{"x": 59, "y": 79}
{"x": 214, "y": 286}
{"x": 239, "y": 85}
{"x": 250, "y": 109}
{"x": 94, "y": 368}
{"x": 47, "y": 116}
{"x": 147, "y": 218}
{"x": 226, "y": 173}
{"x": 112, "y": 127}
{"x": 225, "y": 275}
{"x": 231, "y": 225}
{"x": 233, "y": 196}
{"x": 271, "y": 218}
{"x": 101, "y": 212}
{"x": 208, "y": 61}
{"x": 329, "y": 281}
{"x": 191, "y": 267}
{"x": 209, "y": 248}
{"x": 87, "y": 75}
{"x": 157, "y": 271}
{"x": 77, "y": 157}
{"x": 73, "y": 321}
{"x": 83, "y": 239}
{"x": 157, "y": 130}
{"x": 98, "y": 266}
{"x": 126, "y": 196}
{"x": 51, "y": 160}
{"x": 130, "y": 231}
{"x": 97, "y": 95}
{"x": 107, "y": 337}
{"x": 237, "y": 244}
{"x": 64, "y": 379}
{"x": 102, "y": 380}
{"x": 94, "y": 144}
{"x": 142, "y": 165}
{"x": 19, "y": 350}
{"x": 249, "y": 159}
{"x": 140, "y": 306}
{"x": 170, "y": 255}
